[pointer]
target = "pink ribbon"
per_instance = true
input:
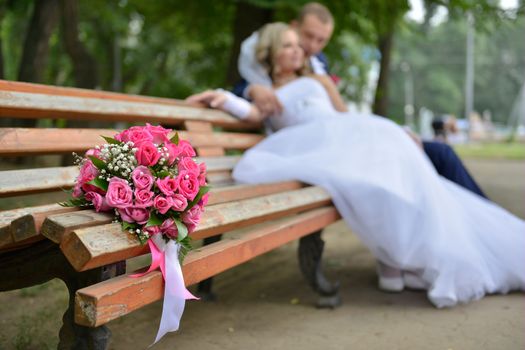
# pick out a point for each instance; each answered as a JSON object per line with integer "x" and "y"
{"x": 157, "y": 259}
{"x": 175, "y": 292}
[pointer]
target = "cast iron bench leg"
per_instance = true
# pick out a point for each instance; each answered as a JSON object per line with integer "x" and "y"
{"x": 310, "y": 254}
{"x": 73, "y": 336}
{"x": 44, "y": 261}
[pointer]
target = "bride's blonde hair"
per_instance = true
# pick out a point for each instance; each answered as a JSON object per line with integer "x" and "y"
{"x": 269, "y": 44}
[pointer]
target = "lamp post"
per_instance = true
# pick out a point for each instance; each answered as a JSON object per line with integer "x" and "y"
{"x": 469, "y": 71}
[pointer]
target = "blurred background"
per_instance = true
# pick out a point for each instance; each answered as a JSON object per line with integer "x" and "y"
{"x": 452, "y": 69}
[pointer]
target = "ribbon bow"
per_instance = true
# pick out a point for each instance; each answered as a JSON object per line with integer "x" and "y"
{"x": 166, "y": 256}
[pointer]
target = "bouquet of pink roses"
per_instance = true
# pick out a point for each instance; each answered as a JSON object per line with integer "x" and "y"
{"x": 157, "y": 192}
{"x": 149, "y": 181}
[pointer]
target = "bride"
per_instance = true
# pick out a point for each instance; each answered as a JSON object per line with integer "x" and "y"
{"x": 437, "y": 235}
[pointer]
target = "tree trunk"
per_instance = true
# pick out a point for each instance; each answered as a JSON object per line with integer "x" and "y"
{"x": 84, "y": 65}
{"x": 381, "y": 97}
{"x": 248, "y": 18}
{"x": 116, "y": 83}
{"x": 36, "y": 45}
{"x": 3, "y": 7}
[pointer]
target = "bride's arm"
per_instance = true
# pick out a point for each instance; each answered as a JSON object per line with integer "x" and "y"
{"x": 335, "y": 97}
{"x": 228, "y": 102}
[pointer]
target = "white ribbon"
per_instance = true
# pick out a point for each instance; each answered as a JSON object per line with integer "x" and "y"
{"x": 175, "y": 292}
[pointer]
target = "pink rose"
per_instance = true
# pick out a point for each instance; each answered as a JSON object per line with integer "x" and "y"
{"x": 162, "y": 204}
{"x": 142, "y": 177}
{"x": 98, "y": 201}
{"x": 147, "y": 154}
{"x": 202, "y": 174}
{"x": 88, "y": 172}
{"x": 186, "y": 149}
{"x": 134, "y": 214}
{"x": 174, "y": 152}
{"x": 119, "y": 193}
{"x": 77, "y": 190}
{"x": 186, "y": 163}
{"x": 191, "y": 218}
{"x": 188, "y": 184}
{"x": 203, "y": 201}
{"x": 135, "y": 134}
{"x": 151, "y": 230}
{"x": 168, "y": 185}
{"x": 93, "y": 152}
{"x": 160, "y": 135}
{"x": 143, "y": 198}
{"x": 169, "y": 228}
{"x": 179, "y": 202}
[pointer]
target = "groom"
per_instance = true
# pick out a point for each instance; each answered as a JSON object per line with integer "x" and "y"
{"x": 315, "y": 25}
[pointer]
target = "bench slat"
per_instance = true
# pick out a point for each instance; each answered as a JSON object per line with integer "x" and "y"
{"x": 21, "y": 224}
{"x": 15, "y": 86}
{"x": 28, "y": 222}
{"x": 51, "y": 179}
{"x": 18, "y": 86}
{"x": 91, "y": 247}
{"x": 35, "y": 105}
{"x": 108, "y": 300}
{"x": 55, "y": 227}
{"x": 27, "y": 181}
{"x": 26, "y": 141}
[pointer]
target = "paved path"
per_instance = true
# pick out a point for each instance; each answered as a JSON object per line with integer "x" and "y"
{"x": 265, "y": 304}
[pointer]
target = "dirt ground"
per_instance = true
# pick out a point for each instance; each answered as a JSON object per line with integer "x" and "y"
{"x": 266, "y": 304}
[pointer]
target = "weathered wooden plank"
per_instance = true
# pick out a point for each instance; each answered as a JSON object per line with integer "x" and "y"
{"x": 220, "y": 178}
{"x": 56, "y": 227}
{"x": 17, "y": 86}
{"x": 91, "y": 247}
{"x": 204, "y": 127}
{"x": 108, "y": 300}
{"x": 12, "y": 86}
{"x": 198, "y": 126}
{"x": 51, "y": 179}
{"x": 239, "y": 191}
{"x": 210, "y": 151}
{"x": 18, "y": 182}
{"x": 35, "y": 105}
{"x": 24, "y": 142}
{"x": 21, "y": 224}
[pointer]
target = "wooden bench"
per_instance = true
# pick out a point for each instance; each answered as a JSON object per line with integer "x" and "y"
{"x": 88, "y": 251}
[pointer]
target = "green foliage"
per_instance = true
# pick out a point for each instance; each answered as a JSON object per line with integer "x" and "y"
{"x": 436, "y": 58}
{"x": 174, "y": 48}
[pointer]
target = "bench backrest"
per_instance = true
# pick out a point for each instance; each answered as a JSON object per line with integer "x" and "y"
{"x": 214, "y": 134}
{"x": 89, "y": 239}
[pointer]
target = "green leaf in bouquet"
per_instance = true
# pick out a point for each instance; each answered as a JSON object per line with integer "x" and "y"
{"x": 202, "y": 191}
{"x": 185, "y": 248}
{"x": 154, "y": 220}
{"x": 111, "y": 140}
{"x": 175, "y": 138}
{"x": 75, "y": 202}
{"x": 162, "y": 174}
{"x": 182, "y": 230}
{"x": 100, "y": 183}
{"x": 99, "y": 164}
{"x": 126, "y": 226}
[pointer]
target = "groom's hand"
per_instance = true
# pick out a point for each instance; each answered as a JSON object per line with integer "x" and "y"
{"x": 265, "y": 99}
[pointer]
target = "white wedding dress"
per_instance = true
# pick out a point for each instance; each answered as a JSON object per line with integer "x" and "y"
{"x": 388, "y": 192}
